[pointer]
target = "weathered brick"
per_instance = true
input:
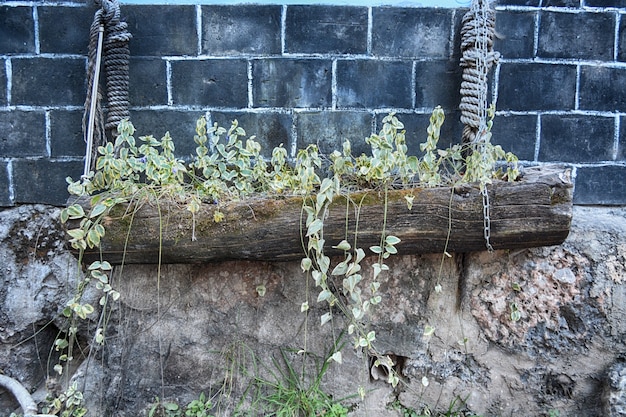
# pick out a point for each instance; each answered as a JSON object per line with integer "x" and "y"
{"x": 605, "y": 3}
{"x": 437, "y": 84}
{"x": 533, "y": 3}
{"x": 48, "y": 81}
{"x": 270, "y": 129}
{"x": 621, "y": 50}
{"x": 64, "y": 30}
{"x": 3, "y": 83}
{"x": 517, "y": 134}
{"x": 17, "y": 30}
{"x": 236, "y": 30}
{"x": 603, "y": 185}
{"x": 602, "y": 88}
{"x": 411, "y": 32}
{"x": 292, "y": 83}
{"x": 161, "y": 30}
{"x": 180, "y": 124}
{"x": 561, "y": 3}
{"x": 43, "y": 180}
{"x": 22, "y": 133}
{"x": 560, "y": 35}
{"x": 5, "y": 196}
{"x": 148, "y": 82}
{"x": 326, "y": 29}
{"x": 66, "y": 133}
{"x": 531, "y": 86}
{"x": 621, "y": 148}
{"x": 576, "y": 138}
{"x": 516, "y": 30}
{"x": 328, "y": 130}
{"x": 374, "y": 84}
{"x": 213, "y": 82}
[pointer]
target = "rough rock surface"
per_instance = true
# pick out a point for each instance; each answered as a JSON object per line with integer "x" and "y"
{"x": 180, "y": 330}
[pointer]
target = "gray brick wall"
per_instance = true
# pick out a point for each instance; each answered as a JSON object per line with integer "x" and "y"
{"x": 317, "y": 74}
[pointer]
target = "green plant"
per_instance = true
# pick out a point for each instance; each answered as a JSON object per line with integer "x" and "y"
{"x": 68, "y": 404}
{"x": 199, "y": 407}
{"x": 290, "y": 394}
{"x": 164, "y": 409}
{"x": 131, "y": 173}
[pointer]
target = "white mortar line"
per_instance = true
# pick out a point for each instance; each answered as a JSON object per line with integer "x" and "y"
{"x": 36, "y": 24}
{"x": 8, "y": 68}
{"x": 168, "y": 82}
{"x": 250, "y": 93}
{"x": 536, "y": 34}
{"x": 370, "y": 29}
{"x": 199, "y": 28}
{"x": 537, "y": 139}
{"x": 283, "y": 28}
{"x": 618, "y": 18}
{"x": 616, "y": 137}
{"x": 577, "y": 88}
{"x": 496, "y": 84}
{"x": 48, "y": 134}
{"x": 413, "y": 84}
{"x": 333, "y": 85}
{"x": 293, "y": 146}
{"x": 10, "y": 180}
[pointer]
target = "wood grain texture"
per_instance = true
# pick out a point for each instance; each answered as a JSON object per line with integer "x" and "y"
{"x": 535, "y": 211}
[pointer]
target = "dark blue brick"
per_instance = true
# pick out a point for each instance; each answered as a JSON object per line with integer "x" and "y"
{"x": 161, "y": 30}
{"x": 22, "y": 133}
{"x": 531, "y": 86}
{"x": 17, "y": 30}
{"x": 560, "y": 35}
{"x": 64, "y": 29}
{"x": 66, "y": 133}
{"x": 374, "y": 84}
{"x": 576, "y": 138}
{"x": 292, "y": 83}
{"x": 603, "y": 185}
{"x": 236, "y": 30}
{"x": 3, "y": 83}
{"x": 180, "y": 124}
{"x": 416, "y": 125}
{"x": 605, "y": 3}
{"x": 328, "y": 130}
{"x": 532, "y": 3}
{"x": 148, "y": 82}
{"x": 561, "y": 3}
{"x": 516, "y": 30}
{"x": 43, "y": 181}
{"x": 214, "y": 82}
{"x": 411, "y": 32}
{"x": 48, "y": 81}
{"x": 435, "y": 83}
{"x": 602, "y": 88}
{"x": 517, "y": 134}
{"x": 5, "y": 185}
{"x": 270, "y": 129}
{"x": 326, "y": 29}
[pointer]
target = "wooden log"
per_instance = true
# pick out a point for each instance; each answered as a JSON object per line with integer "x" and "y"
{"x": 535, "y": 211}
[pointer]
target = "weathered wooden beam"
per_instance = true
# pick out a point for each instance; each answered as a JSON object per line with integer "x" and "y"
{"x": 535, "y": 211}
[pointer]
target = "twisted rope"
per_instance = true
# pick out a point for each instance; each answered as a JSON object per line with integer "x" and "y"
{"x": 477, "y": 36}
{"x": 116, "y": 58}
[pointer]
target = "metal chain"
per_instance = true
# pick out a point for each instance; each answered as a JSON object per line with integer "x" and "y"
{"x": 486, "y": 217}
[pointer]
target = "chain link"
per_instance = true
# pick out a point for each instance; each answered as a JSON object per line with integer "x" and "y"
{"x": 486, "y": 218}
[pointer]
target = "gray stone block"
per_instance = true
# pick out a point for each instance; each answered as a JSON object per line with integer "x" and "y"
{"x": 22, "y": 133}
{"x": 236, "y": 30}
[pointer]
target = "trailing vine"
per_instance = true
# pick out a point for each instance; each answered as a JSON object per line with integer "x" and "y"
{"x": 228, "y": 166}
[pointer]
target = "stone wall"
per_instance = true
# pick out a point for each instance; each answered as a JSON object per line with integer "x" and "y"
{"x": 179, "y": 333}
{"x": 301, "y": 74}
